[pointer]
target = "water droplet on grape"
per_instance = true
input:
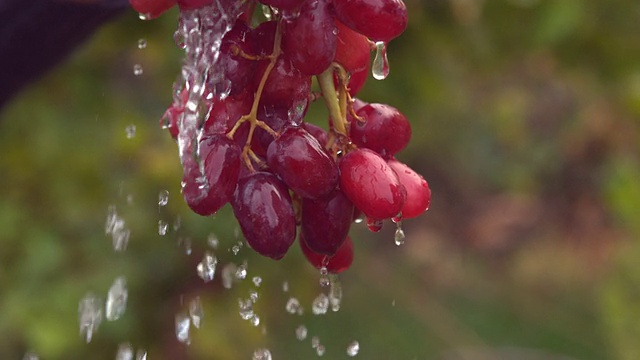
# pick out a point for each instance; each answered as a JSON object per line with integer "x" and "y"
{"x": 196, "y": 312}
{"x": 261, "y": 354}
{"x": 90, "y": 316}
{"x": 353, "y": 348}
{"x": 380, "y": 66}
{"x": 320, "y": 305}
{"x": 266, "y": 11}
{"x": 183, "y": 325}
{"x": 144, "y": 17}
{"x": 301, "y": 332}
{"x": 207, "y": 267}
{"x": 137, "y": 70}
{"x": 163, "y": 198}
{"x": 125, "y": 352}
{"x": 374, "y": 225}
{"x": 130, "y": 131}
{"x": 116, "y": 299}
{"x": 162, "y": 227}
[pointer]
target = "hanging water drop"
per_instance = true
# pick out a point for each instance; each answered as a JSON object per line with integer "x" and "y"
{"x": 163, "y": 198}
{"x": 183, "y": 324}
{"x": 353, "y": 348}
{"x": 207, "y": 267}
{"x": 142, "y": 43}
{"x": 374, "y": 225}
{"x": 324, "y": 277}
{"x": 301, "y": 332}
{"x": 399, "y": 235}
{"x": 162, "y": 227}
{"x": 261, "y": 354}
{"x": 125, "y": 352}
{"x": 196, "y": 312}
{"x": 137, "y": 70}
{"x": 380, "y": 66}
{"x": 320, "y": 304}
{"x": 116, "y": 299}
{"x": 90, "y": 315}
{"x": 130, "y": 131}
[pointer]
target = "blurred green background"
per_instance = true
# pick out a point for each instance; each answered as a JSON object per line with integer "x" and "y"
{"x": 525, "y": 118}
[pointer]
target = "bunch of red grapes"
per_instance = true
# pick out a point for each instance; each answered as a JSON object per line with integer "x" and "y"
{"x": 283, "y": 175}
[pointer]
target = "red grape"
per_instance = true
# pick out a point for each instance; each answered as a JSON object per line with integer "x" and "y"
{"x": 379, "y": 20}
{"x": 265, "y": 213}
{"x": 353, "y": 50}
{"x": 385, "y": 130}
{"x": 283, "y": 4}
{"x": 418, "y": 192}
{"x": 310, "y": 39}
{"x": 371, "y": 184}
{"x": 285, "y": 86}
{"x": 325, "y": 222}
{"x": 152, "y": 8}
{"x": 193, "y": 4}
{"x": 236, "y": 69}
{"x": 335, "y": 264}
{"x": 317, "y": 132}
{"x": 302, "y": 163}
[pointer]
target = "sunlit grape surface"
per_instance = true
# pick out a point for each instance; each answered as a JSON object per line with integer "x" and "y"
{"x": 525, "y": 123}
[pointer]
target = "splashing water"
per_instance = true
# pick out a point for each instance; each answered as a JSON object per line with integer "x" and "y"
{"x": 246, "y": 308}
{"x": 207, "y": 267}
{"x": 90, "y": 315}
{"x": 241, "y": 271}
{"x": 116, "y": 299}
{"x": 380, "y": 66}
{"x": 353, "y": 348}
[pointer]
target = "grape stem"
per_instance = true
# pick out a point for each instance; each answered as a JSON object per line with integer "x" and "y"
{"x": 252, "y": 116}
{"x": 337, "y": 108}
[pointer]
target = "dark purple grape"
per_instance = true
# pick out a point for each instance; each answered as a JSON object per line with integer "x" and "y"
{"x": 302, "y": 163}
{"x": 206, "y": 194}
{"x": 385, "y": 130}
{"x": 310, "y": 39}
{"x": 265, "y": 213}
{"x": 325, "y": 222}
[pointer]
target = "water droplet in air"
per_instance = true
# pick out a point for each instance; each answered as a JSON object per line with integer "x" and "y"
{"x": 261, "y": 354}
{"x": 207, "y": 267}
{"x": 255, "y": 320}
{"x": 374, "y": 225}
{"x": 257, "y": 280}
{"x": 115, "y": 227}
{"x": 293, "y": 306}
{"x": 320, "y": 350}
{"x": 116, "y": 299}
{"x": 285, "y": 286}
{"x": 253, "y": 295}
{"x": 186, "y": 242}
{"x": 177, "y": 223}
{"x": 183, "y": 324}
{"x": 162, "y": 227}
{"x": 315, "y": 342}
{"x": 125, "y": 352}
{"x": 130, "y": 130}
{"x": 246, "y": 308}
{"x": 196, "y": 312}
{"x": 241, "y": 272}
{"x": 353, "y": 348}
{"x": 212, "y": 241}
{"x": 335, "y": 293}
{"x": 30, "y": 356}
{"x": 137, "y": 70}
{"x": 301, "y": 332}
{"x": 399, "y": 236}
{"x": 320, "y": 305}
{"x": 90, "y": 315}
{"x": 380, "y": 67}
{"x": 142, "y": 43}
{"x": 266, "y": 11}
{"x": 163, "y": 198}
{"x": 141, "y": 354}
{"x": 228, "y": 275}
